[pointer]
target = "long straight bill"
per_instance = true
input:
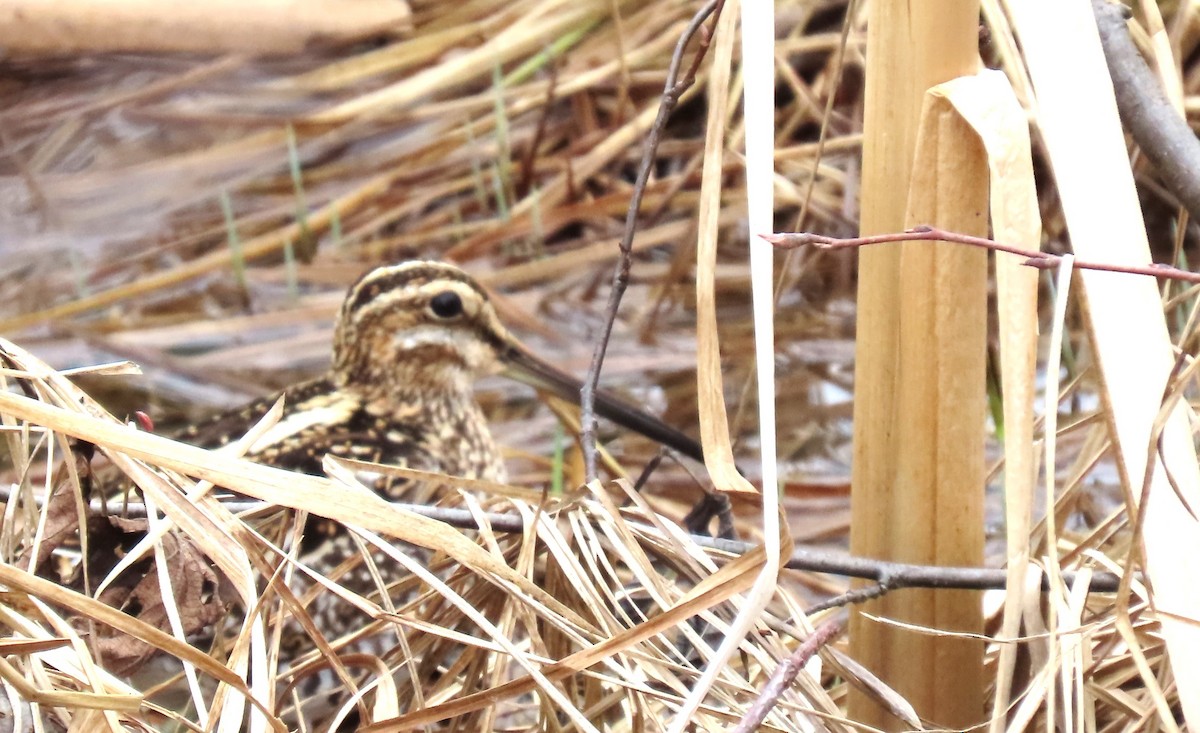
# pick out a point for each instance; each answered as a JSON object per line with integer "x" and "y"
{"x": 526, "y": 368}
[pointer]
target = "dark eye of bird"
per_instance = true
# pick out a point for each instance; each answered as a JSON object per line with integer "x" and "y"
{"x": 446, "y": 304}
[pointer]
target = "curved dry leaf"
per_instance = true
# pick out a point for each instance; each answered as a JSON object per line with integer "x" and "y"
{"x": 196, "y": 588}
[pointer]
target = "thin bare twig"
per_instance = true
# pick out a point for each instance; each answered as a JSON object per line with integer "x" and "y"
{"x": 890, "y": 575}
{"x": 672, "y": 91}
{"x": 785, "y": 674}
{"x": 1041, "y": 260}
{"x": 851, "y": 597}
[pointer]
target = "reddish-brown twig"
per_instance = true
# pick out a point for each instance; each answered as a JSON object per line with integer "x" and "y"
{"x": 785, "y": 674}
{"x": 1042, "y": 260}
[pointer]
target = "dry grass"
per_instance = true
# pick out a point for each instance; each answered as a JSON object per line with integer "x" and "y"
{"x": 509, "y": 148}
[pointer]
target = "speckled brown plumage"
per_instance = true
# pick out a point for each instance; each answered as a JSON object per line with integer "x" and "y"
{"x": 434, "y": 431}
{"x": 410, "y": 341}
{"x": 400, "y": 389}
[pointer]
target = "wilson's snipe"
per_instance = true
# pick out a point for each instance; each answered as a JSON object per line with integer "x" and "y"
{"x": 410, "y": 341}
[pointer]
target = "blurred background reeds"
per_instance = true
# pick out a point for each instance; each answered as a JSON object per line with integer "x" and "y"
{"x": 199, "y": 209}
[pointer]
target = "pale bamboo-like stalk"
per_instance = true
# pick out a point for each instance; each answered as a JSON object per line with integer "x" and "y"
{"x": 911, "y": 46}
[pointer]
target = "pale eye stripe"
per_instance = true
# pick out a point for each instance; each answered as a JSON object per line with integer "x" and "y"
{"x": 408, "y": 276}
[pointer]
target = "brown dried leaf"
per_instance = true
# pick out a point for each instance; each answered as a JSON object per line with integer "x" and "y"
{"x": 62, "y": 525}
{"x": 195, "y": 586}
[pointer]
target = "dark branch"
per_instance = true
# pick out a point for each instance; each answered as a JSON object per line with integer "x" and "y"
{"x": 889, "y": 575}
{"x": 1158, "y": 128}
